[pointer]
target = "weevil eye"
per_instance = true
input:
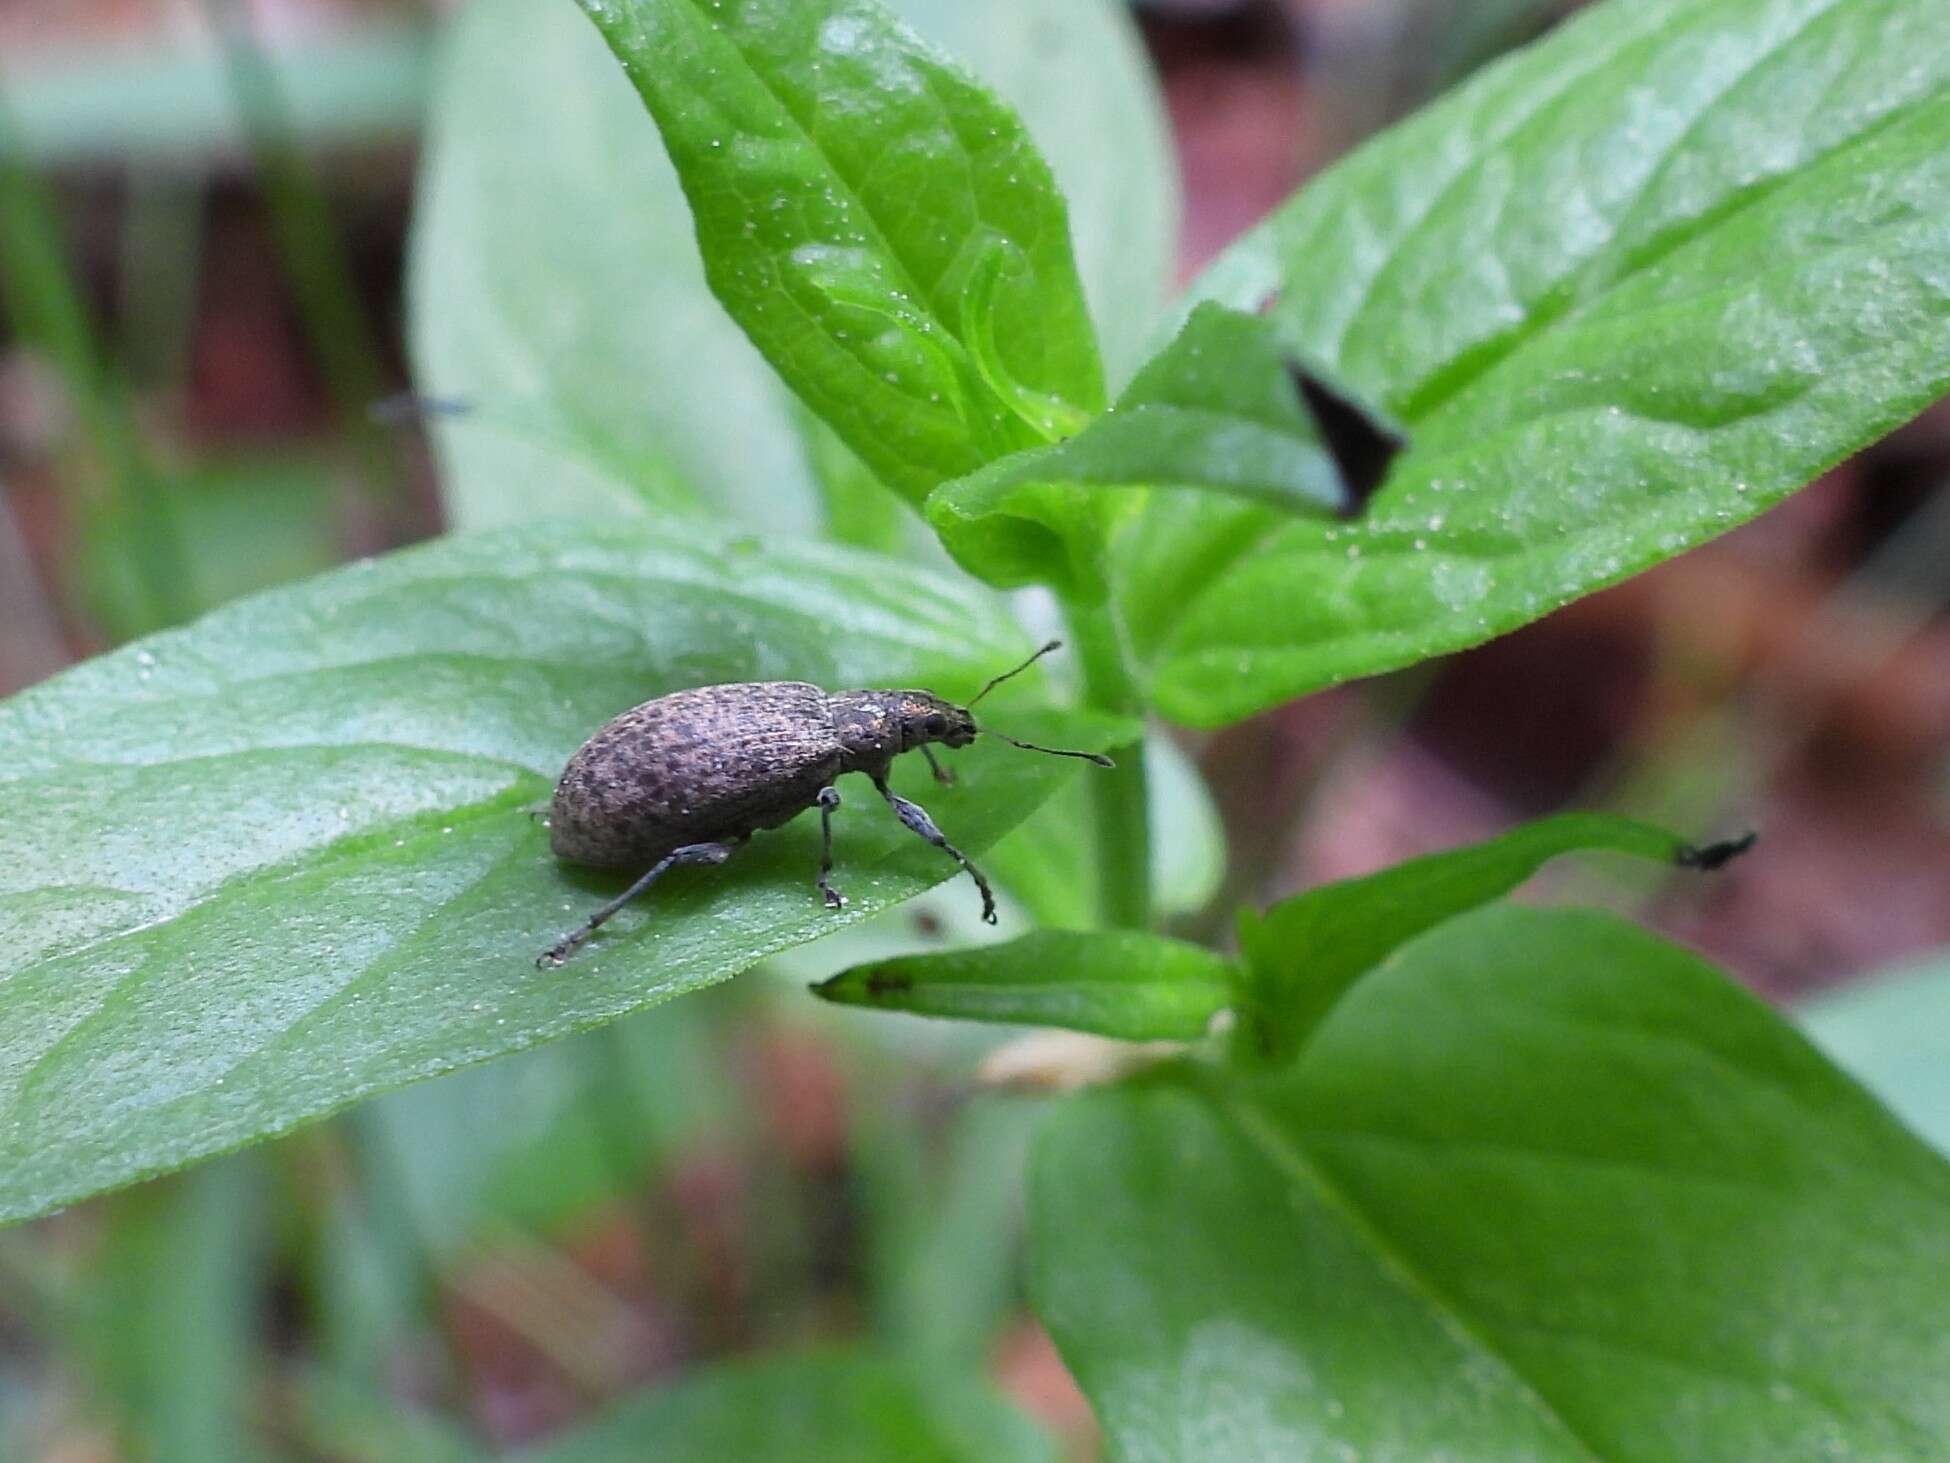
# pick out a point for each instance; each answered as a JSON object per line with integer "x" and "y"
{"x": 936, "y": 725}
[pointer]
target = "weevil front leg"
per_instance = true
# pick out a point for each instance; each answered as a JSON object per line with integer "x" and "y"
{"x": 829, "y": 801}
{"x": 943, "y": 775}
{"x": 690, "y": 853}
{"x": 916, "y": 817}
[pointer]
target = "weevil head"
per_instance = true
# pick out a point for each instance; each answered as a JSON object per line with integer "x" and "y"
{"x": 876, "y": 726}
{"x": 927, "y": 718}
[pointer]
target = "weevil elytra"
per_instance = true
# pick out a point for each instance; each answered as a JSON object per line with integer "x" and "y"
{"x": 686, "y": 778}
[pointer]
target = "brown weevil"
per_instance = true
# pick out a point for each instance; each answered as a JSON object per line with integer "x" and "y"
{"x": 686, "y": 778}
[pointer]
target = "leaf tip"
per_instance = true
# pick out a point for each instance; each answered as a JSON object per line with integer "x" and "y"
{"x": 863, "y": 985}
{"x": 1710, "y": 856}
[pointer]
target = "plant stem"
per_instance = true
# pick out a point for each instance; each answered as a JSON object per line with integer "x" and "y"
{"x": 1119, "y": 804}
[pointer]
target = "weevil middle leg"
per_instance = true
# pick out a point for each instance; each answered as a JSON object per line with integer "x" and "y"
{"x": 916, "y": 817}
{"x": 690, "y": 853}
{"x": 829, "y": 801}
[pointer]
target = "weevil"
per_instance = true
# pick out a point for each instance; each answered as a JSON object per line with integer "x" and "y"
{"x": 688, "y": 777}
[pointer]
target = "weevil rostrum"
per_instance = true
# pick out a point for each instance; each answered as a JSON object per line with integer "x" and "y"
{"x": 687, "y": 777}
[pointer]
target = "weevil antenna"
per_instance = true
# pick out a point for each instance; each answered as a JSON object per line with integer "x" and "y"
{"x": 1097, "y": 757}
{"x": 1053, "y": 645}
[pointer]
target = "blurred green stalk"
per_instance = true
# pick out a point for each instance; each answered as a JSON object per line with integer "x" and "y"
{"x": 43, "y": 299}
{"x": 321, "y": 275}
{"x": 1119, "y": 798}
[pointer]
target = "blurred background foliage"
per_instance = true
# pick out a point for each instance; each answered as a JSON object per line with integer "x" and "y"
{"x": 612, "y": 1244}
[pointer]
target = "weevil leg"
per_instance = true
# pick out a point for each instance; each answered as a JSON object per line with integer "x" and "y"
{"x": 690, "y": 853}
{"x": 943, "y": 775}
{"x": 829, "y": 800}
{"x": 916, "y": 817}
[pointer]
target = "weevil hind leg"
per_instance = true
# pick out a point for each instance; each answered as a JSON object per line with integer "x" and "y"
{"x": 690, "y": 853}
{"x": 916, "y": 818}
{"x": 829, "y": 802}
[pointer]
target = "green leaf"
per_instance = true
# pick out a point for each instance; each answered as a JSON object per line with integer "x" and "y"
{"x": 257, "y": 869}
{"x": 1305, "y": 953}
{"x": 601, "y": 373}
{"x": 1892, "y": 1034}
{"x": 847, "y": 1406}
{"x": 1216, "y": 411}
{"x": 1113, "y": 982}
{"x": 1625, "y": 289}
{"x": 849, "y": 188}
{"x": 1542, "y": 1187}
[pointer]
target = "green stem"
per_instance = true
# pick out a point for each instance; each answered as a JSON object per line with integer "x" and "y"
{"x": 1119, "y": 805}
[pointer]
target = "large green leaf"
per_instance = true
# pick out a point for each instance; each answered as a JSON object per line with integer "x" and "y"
{"x": 1541, "y": 1187}
{"x": 878, "y": 223}
{"x": 1305, "y": 953}
{"x": 259, "y": 868}
{"x": 845, "y": 1406}
{"x": 601, "y": 372}
{"x": 1627, "y": 288}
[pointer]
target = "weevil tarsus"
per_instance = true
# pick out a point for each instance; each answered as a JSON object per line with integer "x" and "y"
{"x": 829, "y": 802}
{"x": 915, "y": 817}
{"x": 690, "y": 853}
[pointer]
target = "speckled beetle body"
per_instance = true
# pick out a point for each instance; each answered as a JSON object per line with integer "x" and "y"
{"x": 689, "y": 776}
